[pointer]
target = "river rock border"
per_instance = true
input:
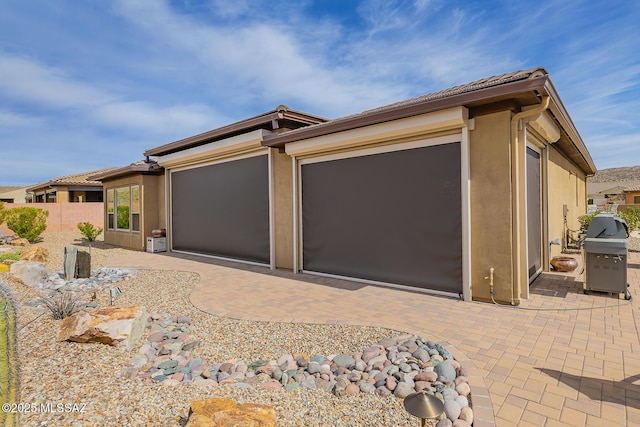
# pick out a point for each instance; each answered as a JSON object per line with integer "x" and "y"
{"x": 398, "y": 365}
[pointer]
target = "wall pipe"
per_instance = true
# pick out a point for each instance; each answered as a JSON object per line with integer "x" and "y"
{"x": 516, "y": 238}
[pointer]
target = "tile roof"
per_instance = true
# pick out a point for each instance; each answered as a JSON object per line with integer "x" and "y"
{"x": 141, "y": 166}
{"x": 465, "y": 88}
{"x": 634, "y": 188}
{"x": 7, "y": 188}
{"x": 75, "y": 179}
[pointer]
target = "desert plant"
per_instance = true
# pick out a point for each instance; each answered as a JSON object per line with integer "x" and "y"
{"x": 89, "y": 231}
{"x": 585, "y": 220}
{"x": 61, "y": 304}
{"x": 2, "y": 212}
{"x": 15, "y": 256}
{"x": 27, "y": 222}
{"x": 631, "y": 217}
{"x": 9, "y": 386}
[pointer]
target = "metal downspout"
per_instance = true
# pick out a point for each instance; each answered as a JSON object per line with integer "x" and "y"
{"x": 516, "y": 238}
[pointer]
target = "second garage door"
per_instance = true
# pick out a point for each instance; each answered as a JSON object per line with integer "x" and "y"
{"x": 391, "y": 217}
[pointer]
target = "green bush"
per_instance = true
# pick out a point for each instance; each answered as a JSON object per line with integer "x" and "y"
{"x": 632, "y": 217}
{"x": 585, "y": 220}
{"x": 26, "y": 222}
{"x": 15, "y": 256}
{"x": 2, "y": 212}
{"x": 89, "y": 231}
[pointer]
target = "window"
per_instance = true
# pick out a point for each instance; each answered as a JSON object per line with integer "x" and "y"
{"x": 110, "y": 210}
{"x": 135, "y": 208}
{"x": 122, "y": 208}
{"x": 636, "y": 200}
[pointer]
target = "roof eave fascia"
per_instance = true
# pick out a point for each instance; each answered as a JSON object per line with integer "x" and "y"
{"x": 222, "y": 132}
{"x": 520, "y": 86}
{"x": 559, "y": 110}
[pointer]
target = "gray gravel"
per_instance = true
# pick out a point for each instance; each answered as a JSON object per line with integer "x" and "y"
{"x": 89, "y": 374}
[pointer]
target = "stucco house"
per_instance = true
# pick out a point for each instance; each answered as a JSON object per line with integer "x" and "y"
{"x": 632, "y": 195}
{"x": 77, "y": 188}
{"x": 458, "y": 192}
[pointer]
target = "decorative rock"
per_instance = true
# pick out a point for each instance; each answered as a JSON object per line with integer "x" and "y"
{"x": 35, "y": 253}
{"x": 30, "y": 273}
{"x": 118, "y": 326}
{"x": 271, "y": 385}
{"x": 446, "y": 422}
{"x": 220, "y": 412}
{"x": 446, "y": 372}
{"x": 308, "y": 384}
{"x": 462, "y": 401}
{"x": 452, "y": 409}
{"x": 463, "y": 389}
{"x": 367, "y": 387}
{"x": 402, "y": 390}
{"x": 429, "y": 376}
{"x": 466, "y": 414}
{"x": 344, "y": 360}
{"x": 352, "y": 389}
{"x": 461, "y": 423}
{"x": 18, "y": 242}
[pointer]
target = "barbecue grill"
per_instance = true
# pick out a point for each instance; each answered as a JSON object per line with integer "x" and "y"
{"x": 606, "y": 252}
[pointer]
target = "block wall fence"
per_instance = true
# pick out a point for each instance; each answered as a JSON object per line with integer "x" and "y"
{"x": 64, "y": 216}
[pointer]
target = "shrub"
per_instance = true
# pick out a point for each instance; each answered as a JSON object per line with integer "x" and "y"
{"x": 89, "y": 231}
{"x": 62, "y": 304}
{"x": 585, "y": 220}
{"x": 26, "y": 222}
{"x": 15, "y": 256}
{"x": 632, "y": 217}
{"x": 2, "y": 212}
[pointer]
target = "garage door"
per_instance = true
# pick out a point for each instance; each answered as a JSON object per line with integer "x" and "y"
{"x": 391, "y": 217}
{"x": 223, "y": 209}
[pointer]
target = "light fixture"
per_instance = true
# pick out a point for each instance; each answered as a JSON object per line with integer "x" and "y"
{"x": 423, "y": 406}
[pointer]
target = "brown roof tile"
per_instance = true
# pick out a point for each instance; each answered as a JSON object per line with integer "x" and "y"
{"x": 76, "y": 179}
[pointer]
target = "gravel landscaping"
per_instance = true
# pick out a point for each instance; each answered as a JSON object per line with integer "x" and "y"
{"x": 93, "y": 376}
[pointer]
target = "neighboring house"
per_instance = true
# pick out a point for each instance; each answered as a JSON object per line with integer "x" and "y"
{"x": 448, "y": 193}
{"x": 632, "y": 195}
{"x": 13, "y": 194}
{"x": 68, "y": 189}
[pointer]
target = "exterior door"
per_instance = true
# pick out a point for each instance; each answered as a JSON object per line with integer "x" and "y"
{"x": 534, "y": 214}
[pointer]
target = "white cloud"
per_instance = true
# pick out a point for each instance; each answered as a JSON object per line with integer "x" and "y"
{"x": 26, "y": 79}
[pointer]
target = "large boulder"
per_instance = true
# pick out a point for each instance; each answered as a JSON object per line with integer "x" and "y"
{"x": 220, "y": 412}
{"x": 117, "y": 326}
{"x": 35, "y": 253}
{"x": 30, "y": 273}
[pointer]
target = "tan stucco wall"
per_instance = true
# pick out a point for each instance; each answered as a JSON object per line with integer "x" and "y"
{"x": 18, "y": 196}
{"x": 629, "y": 197}
{"x": 567, "y": 186}
{"x": 283, "y": 208}
{"x": 490, "y": 206}
{"x": 152, "y": 199}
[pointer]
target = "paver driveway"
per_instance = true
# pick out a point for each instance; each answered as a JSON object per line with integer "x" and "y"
{"x": 561, "y": 359}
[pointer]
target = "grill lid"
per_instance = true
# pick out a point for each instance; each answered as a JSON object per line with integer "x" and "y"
{"x": 607, "y": 226}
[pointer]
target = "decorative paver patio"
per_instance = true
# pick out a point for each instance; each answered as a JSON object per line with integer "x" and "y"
{"x": 561, "y": 358}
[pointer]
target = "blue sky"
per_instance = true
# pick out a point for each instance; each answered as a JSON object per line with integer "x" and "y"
{"x": 93, "y": 83}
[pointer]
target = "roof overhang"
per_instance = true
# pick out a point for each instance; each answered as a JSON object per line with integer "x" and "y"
{"x": 144, "y": 168}
{"x": 279, "y": 120}
{"x": 518, "y": 93}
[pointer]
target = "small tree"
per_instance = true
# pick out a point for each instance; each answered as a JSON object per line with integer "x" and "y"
{"x": 89, "y": 231}
{"x": 631, "y": 217}
{"x": 27, "y": 222}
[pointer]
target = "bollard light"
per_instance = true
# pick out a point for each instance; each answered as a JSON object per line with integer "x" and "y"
{"x": 423, "y": 406}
